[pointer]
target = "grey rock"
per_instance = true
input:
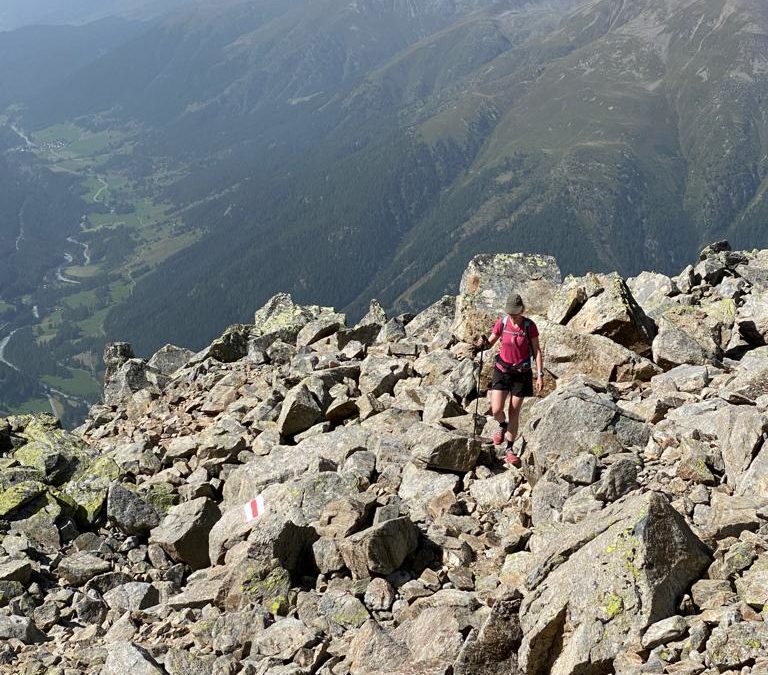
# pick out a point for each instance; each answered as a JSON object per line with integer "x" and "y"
{"x": 380, "y": 549}
{"x": 127, "y": 657}
{"x": 379, "y": 375}
{"x": 665, "y": 631}
{"x": 183, "y": 533}
{"x": 132, "y": 596}
{"x": 282, "y": 319}
{"x": 672, "y": 347}
{"x": 619, "y": 479}
{"x": 436, "y": 448}
{"x": 299, "y": 412}
{"x": 652, "y": 292}
{"x": 614, "y": 574}
{"x": 129, "y": 378}
{"x": 181, "y": 662}
{"x": 579, "y": 470}
{"x": 20, "y": 628}
{"x": 379, "y": 595}
{"x": 731, "y": 515}
{"x": 434, "y": 320}
{"x": 750, "y": 380}
{"x": 129, "y": 511}
{"x": 566, "y": 424}
{"x": 547, "y": 499}
{"x": 419, "y": 486}
{"x": 327, "y": 556}
{"x": 738, "y": 429}
{"x": 752, "y": 319}
{"x": 168, "y": 359}
{"x": 496, "y": 492}
{"x": 732, "y": 646}
{"x": 77, "y": 568}
{"x": 614, "y": 313}
{"x": 284, "y": 639}
{"x": 494, "y": 648}
{"x": 277, "y": 538}
{"x": 19, "y": 569}
{"x": 115, "y": 355}
{"x": 320, "y": 328}
{"x": 571, "y": 354}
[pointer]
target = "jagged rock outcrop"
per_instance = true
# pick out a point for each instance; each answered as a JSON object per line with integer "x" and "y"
{"x": 302, "y": 498}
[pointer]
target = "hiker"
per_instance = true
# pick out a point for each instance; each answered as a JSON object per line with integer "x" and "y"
{"x": 512, "y": 371}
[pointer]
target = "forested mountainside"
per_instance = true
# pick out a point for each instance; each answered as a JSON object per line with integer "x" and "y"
{"x": 342, "y": 150}
{"x": 349, "y": 149}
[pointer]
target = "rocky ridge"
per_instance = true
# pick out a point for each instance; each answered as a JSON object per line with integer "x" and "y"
{"x": 634, "y": 539}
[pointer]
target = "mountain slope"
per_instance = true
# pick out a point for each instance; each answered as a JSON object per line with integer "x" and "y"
{"x": 341, "y": 150}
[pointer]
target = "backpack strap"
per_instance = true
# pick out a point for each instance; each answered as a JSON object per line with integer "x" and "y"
{"x": 527, "y": 329}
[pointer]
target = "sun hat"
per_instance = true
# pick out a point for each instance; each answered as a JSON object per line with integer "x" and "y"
{"x": 514, "y": 305}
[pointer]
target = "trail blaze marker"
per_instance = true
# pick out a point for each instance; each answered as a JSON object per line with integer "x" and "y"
{"x": 253, "y": 509}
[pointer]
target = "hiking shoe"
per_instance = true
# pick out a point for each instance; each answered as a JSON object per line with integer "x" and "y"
{"x": 498, "y": 437}
{"x": 512, "y": 459}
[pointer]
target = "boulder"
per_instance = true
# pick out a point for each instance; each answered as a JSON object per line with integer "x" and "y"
{"x": 672, "y": 347}
{"x": 613, "y": 312}
{"x": 130, "y": 511}
{"x": 299, "y": 412}
{"x": 608, "y": 578}
{"x": 132, "y": 596}
{"x": 127, "y": 657}
{"x": 750, "y": 379}
{"x": 490, "y": 279}
{"x": 282, "y": 319}
{"x": 77, "y": 568}
{"x": 168, "y": 359}
{"x": 379, "y": 375}
{"x": 732, "y": 646}
{"x": 183, "y": 533}
{"x": 738, "y": 431}
{"x": 419, "y": 486}
{"x": 380, "y": 549}
{"x": 433, "y": 321}
{"x": 284, "y": 638}
{"x": 88, "y": 488}
{"x": 570, "y": 297}
{"x": 754, "y": 268}
{"x": 653, "y": 292}
{"x": 115, "y": 355}
{"x": 322, "y": 327}
{"x": 436, "y": 448}
{"x": 570, "y": 354}
{"x": 493, "y": 649}
{"x": 578, "y": 419}
{"x": 20, "y": 628}
{"x": 129, "y": 378}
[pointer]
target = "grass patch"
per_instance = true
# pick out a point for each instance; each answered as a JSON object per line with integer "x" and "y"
{"x": 92, "y": 325}
{"x": 30, "y": 406}
{"x": 80, "y": 384}
{"x": 79, "y": 299}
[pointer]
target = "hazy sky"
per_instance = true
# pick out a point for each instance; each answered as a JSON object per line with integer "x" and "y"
{"x": 18, "y": 13}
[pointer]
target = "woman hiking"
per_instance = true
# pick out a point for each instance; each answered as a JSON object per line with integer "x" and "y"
{"x": 512, "y": 371}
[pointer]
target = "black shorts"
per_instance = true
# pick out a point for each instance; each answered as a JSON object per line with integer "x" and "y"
{"x": 517, "y": 384}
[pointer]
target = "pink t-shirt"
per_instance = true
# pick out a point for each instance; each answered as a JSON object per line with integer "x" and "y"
{"x": 514, "y": 345}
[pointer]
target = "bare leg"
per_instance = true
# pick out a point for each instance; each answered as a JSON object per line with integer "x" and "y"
{"x": 513, "y": 418}
{"x": 498, "y": 399}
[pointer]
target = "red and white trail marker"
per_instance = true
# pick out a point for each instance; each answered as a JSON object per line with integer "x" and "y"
{"x": 254, "y": 509}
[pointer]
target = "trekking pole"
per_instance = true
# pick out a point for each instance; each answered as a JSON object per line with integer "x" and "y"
{"x": 477, "y": 400}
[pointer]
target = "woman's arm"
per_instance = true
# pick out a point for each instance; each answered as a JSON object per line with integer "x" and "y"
{"x": 539, "y": 363}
